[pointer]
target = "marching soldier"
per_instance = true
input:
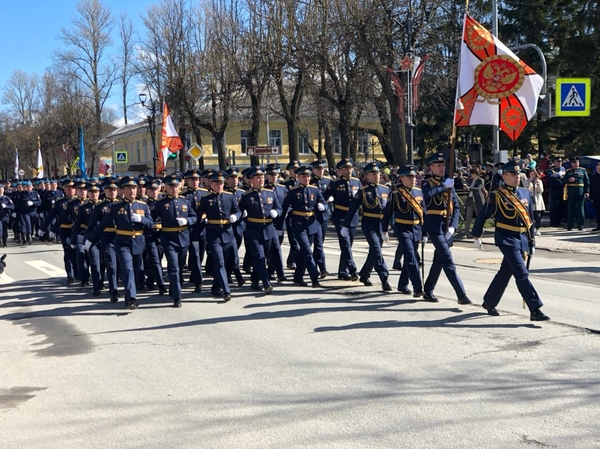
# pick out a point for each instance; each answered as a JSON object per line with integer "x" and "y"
{"x": 26, "y": 208}
{"x": 409, "y": 213}
{"x": 80, "y": 226}
{"x": 511, "y": 208}
{"x": 275, "y": 258}
{"x": 107, "y": 236}
{"x": 221, "y": 210}
{"x": 129, "y": 217}
{"x": 154, "y": 249}
{"x": 576, "y": 189}
{"x": 322, "y": 182}
{"x": 340, "y": 193}
{"x": 373, "y": 199}
{"x": 555, "y": 176}
{"x": 72, "y": 212}
{"x": 289, "y": 183}
{"x": 48, "y": 202}
{"x": 62, "y": 227}
{"x": 6, "y": 206}
{"x": 232, "y": 186}
{"x": 260, "y": 207}
{"x": 197, "y": 246}
{"x": 441, "y": 221}
{"x": 176, "y": 215}
{"x": 301, "y": 203}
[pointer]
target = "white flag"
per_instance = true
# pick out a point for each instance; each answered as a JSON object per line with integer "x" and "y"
{"x": 17, "y": 165}
{"x": 40, "y": 165}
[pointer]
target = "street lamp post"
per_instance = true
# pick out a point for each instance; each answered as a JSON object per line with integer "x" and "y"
{"x": 152, "y": 125}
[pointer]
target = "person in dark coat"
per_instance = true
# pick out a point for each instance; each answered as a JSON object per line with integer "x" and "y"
{"x": 475, "y": 197}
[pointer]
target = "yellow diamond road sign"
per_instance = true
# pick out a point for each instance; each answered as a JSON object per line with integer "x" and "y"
{"x": 196, "y": 152}
{"x": 573, "y": 97}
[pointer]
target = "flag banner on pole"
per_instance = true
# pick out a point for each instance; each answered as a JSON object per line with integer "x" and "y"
{"x": 170, "y": 139}
{"x": 494, "y": 86}
{"x": 39, "y": 170}
{"x": 416, "y": 82}
{"x": 399, "y": 93}
{"x": 16, "y": 164}
{"x": 160, "y": 162}
{"x": 82, "y": 153}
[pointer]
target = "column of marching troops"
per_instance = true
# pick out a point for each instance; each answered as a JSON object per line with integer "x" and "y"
{"x": 124, "y": 227}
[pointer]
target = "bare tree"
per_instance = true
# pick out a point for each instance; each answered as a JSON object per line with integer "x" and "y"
{"x": 21, "y": 93}
{"x": 126, "y": 56}
{"x": 85, "y": 56}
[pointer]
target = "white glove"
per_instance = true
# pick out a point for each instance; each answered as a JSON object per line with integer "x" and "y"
{"x": 273, "y": 213}
{"x": 245, "y": 214}
{"x": 321, "y": 207}
{"x": 425, "y": 240}
{"x": 385, "y": 236}
{"x": 354, "y": 192}
{"x": 14, "y": 215}
{"x": 532, "y": 251}
{"x": 53, "y": 201}
{"x": 449, "y": 183}
{"x": 330, "y": 199}
{"x": 3, "y": 205}
{"x": 344, "y": 232}
{"x": 181, "y": 221}
{"x": 383, "y": 202}
{"x": 136, "y": 218}
{"x": 232, "y": 218}
{"x": 30, "y": 203}
{"x": 87, "y": 245}
{"x": 41, "y": 233}
{"x": 450, "y": 233}
{"x": 52, "y": 235}
{"x": 72, "y": 246}
{"x": 478, "y": 243}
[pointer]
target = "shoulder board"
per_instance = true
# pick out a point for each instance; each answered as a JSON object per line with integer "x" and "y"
{"x": 314, "y": 187}
{"x": 417, "y": 189}
{"x": 227, "y": 193}
{"x": 139, "y": 201}
{"x": 268, "y": 190}
{"x": 354, "y": 179}
{"x": 247, "y": 192}
{"x": 295, "y": 187}
{"x": 203, "y": 189}
{"x": 327, "y": 177}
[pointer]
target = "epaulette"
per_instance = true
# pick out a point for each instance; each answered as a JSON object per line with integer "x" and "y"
{"x": 417, "y": 188}
{"x": 268, "y": 190}
{"x": 327, "y": 177}
{"x": 353, "y": 178}
{"x": 228, "y": 193}
{"x": 314, "y": 187}
{"x": 140, "y": 201}
{"x": 247, "y": 192}
{"x": 294, "y": 187}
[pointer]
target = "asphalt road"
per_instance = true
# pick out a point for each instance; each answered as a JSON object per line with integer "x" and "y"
{"x": 346, "y": 366}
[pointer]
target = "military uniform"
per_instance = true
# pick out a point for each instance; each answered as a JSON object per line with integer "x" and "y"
{"x": 80, "y": 225}
{"x": 176, "y": 216}
{"x": 130, "y": 218}
{"x": 260, "y": 207}
{"x": 290, "y": 183}
{"x": 511, "y": 208}
{"x": 300, "y": 204}
{"x": 221, "y": 210}
{"x": 322, "y": 182}
{"x": 556, "y": 205}
{"x": 275, "y": 257}
{"x": 107, "y": 237}
{"x": 373, "y": 199}
{"x": 441, "y": 220}
{"x": 154, "y": 250}
{"x": 341, "y": 192}
{"x": 26, "y": 208}
{"x": 73, "y": 207}
{"x": 6, "y": 208}
{"x": 238, "y": 227}
{"x": 576, "y": 189}
{"x": 408, "y": 209}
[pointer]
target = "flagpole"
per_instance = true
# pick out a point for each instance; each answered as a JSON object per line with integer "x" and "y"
{"x": 495, "y": 128}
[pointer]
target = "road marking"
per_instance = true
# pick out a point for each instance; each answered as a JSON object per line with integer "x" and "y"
{"x": 46, "y": 268}
{"x": 5, "y": 279}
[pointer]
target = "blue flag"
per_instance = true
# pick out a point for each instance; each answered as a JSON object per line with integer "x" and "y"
{"x": 82, "y": 153}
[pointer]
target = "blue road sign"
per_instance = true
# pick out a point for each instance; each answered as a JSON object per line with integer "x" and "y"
{"x": 573, "y": 97}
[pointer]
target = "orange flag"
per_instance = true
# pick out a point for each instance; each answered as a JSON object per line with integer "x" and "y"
{"x": 170, "y": 140}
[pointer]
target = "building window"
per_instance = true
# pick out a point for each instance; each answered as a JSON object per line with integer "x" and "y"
{"x": 303, "y": 143}
{"x": 337, "y": 142}
{"x": 137, "y": 148}
{"x": 145, "y": 146}
{"x": 363, "y": 143}
{"x": 244, "y": 139}
{"x": 275, "y": 138}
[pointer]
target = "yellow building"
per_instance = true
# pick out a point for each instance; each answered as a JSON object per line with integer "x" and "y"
{"x": 132, "y": 147}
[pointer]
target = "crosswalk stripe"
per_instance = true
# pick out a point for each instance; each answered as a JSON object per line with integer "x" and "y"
{"x": 5, "y": 279}
{"x": 46, "y": 268}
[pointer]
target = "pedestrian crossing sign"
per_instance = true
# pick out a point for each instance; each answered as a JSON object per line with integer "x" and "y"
{"x": 573, "y": 97}
{"x": 121, "y": 157}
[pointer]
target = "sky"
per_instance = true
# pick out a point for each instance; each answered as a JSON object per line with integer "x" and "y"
{"x": 29, "y": 30}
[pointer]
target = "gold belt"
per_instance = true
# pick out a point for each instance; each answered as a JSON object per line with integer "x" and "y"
{"x": 129, "y": 233}
{"x": 443, "y": 213}
{"x": 66, "y": 226}
{"x": 110, "y": 230}
{"x": 366, "y": 214}
{"x": 407, "y": 222}
{"x": 83, "y": 226}
{"x": 302, "y": 213}
{"x": 344, "y": 208}
{"x": 176, "y": 229}
{"x": 217, "y": 222}
{"x": 259, "y": 220}
{"x": 575, "y": 185}
{"x": 518, "y": 229}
